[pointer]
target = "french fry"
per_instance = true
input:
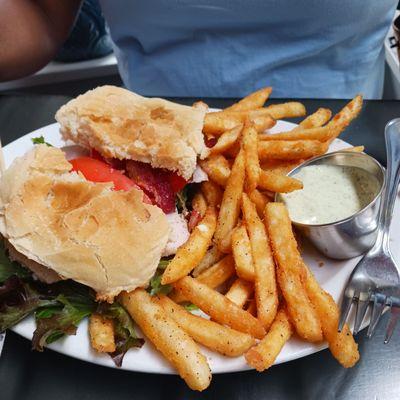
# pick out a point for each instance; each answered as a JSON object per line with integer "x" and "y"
{"x": 290, "y": 273}
{"x": 218, "y": 307}
{"x": 101, "y": 332}
{"x": 217, "y": 168}
{"x": 286, "y": 110}
{"x": 290, "y": 150}
{"x": 319, "y": 118}
{"x": 216, "y": 337}
{"x": 213, "y": 277}
{"x": 263, "y": 355}
{"x": 219, "y": 273}
{"x": 355, "y": 149}
{"x": 252, "y": 101}
{"x": 342, "y": 344}
{"x": 216, "y": 123}
{"x": 240, "y": 292}
{"x": 212, "y": 193}
{"x": 241, "y": 250}
{"x": 252, "y": 163}
{"x": 261, "y": 122}
{"x": 212, "y": 256}
{"x": 280, "y": 166}
{"x": 278, "y": 183}
{"x": 321, "y": 134}
{"x": 227, "y": 140}
{"x": 199, "y": 203}
{"x": 252, "y": 308}
{"x": 230, "y": 205}
{"x": 193, "y": 251}
{"x": 175, "y": 345}
{"x": 266, "y": 293}
{"x": 260, "y": 200}
{"x": 348, "y": 112}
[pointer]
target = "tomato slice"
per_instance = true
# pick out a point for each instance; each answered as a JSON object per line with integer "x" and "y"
{"x": 98, "y": 171}
{"x": 113, "y": 162}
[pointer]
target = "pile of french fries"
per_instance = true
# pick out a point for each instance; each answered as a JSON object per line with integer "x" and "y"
{"x": 241, "y": 265}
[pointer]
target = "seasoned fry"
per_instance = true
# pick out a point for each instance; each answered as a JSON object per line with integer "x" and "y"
{"x": 213, "y": 277}
{"x": 286, "y": 110}
{"x": 280, "y": 166}
{"x": 252, "y": 101}
{"x": 252, "y": 308}
{"x": 216, "y": 337}
{"x": 212, "y": 193}
{"x": 261, "y": 122}
{"x": 227, "y": 140}
{"x": 260, "y": 200}
{"x": 101, "y": 332}
{"x": 262, "y": 356}
{"x": 348, "y": 112}
{"x": 355, "y": 149}
{"x": 342, "y": 344}
{"x": 217, "y": 168}
{"x": 289, "y": 272}
{"x": 278, "y": 183}
{"x": 219, "y": 273}
{"x": 266, "y": 293}
{"x": 290, "y": 150}
{"x": 319, "y": 118}
{"x": 240, "y": 292}
{"x": 199, "y": 203}
{"x": 212, "y": 256}
{"x": 252, "y": 164}
{"x": 230, "y": 205}
{"x": 216, "y": 123}
{"x": 218, "y": 307}
{"x": 241, "y": 250}
{"x": 193, "y": 251}
{"x": 321, "y": 134}
{"x": 175, "y": 345}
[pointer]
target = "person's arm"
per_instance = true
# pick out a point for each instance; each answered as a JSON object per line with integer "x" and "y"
{"x": 31, "y": 31}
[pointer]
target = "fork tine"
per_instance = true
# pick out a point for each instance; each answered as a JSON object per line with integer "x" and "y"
{"x": 379, "y": 305}
{"x": 362, "y": 306}
{"x": 344, "y": 311}
{"x": 394, "y": 317}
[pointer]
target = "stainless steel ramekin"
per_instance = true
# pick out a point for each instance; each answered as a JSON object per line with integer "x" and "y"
{"x": 352, "y": 236}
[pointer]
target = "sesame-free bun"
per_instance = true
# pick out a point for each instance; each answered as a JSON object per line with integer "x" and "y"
{"x": 121, "y": 124}
{"x": 108, "y": 240}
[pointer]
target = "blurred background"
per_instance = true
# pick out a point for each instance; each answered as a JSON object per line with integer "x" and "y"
{"x": 87, "y": 60}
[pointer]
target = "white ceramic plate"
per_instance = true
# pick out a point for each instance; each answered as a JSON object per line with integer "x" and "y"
{"x": 330, "y": 273}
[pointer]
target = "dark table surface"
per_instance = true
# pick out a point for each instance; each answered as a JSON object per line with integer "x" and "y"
{"x": 30, "y": 375}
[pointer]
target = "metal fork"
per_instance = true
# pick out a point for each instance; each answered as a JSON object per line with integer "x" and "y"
{"x": 375, "y": 279}
{"x": 2, "y": 339}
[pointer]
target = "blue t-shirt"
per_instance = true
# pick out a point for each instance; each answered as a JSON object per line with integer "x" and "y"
{"x": 228, "y": 48}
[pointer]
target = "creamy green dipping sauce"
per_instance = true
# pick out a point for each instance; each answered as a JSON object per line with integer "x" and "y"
{"x": 330, "y": 193}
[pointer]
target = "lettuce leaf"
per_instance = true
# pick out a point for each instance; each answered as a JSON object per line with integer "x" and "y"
{"x": 124, "y": 330}
{"x": 40, "y": 140}
{"x": 58, "y": 308}
{"x": 9, "y": 268}
{"x": 61, "y": 317}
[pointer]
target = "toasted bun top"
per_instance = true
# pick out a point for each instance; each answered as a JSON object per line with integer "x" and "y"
{"x": 121, "y": 124}
{"x": 108, "y": 240}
